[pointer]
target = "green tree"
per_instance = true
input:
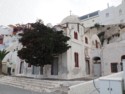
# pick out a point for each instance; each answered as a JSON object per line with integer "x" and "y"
{"x": 41, "y": 44}
{"x": 3, "y": 53}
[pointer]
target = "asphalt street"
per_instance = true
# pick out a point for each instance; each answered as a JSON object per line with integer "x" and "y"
{"x": 5, "y": 89}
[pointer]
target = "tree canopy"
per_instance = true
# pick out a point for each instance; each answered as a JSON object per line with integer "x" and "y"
{"x": 3, "y": 53}
{"x": 41, "y": 44}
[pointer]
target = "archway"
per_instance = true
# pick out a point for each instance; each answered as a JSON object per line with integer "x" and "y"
{"x": 121, "y": 64}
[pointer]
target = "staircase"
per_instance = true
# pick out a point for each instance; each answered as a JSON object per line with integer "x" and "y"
{"x": 31, "y": 84}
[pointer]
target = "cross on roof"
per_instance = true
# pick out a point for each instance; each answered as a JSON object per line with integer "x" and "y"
{"x": 70, "y": 12}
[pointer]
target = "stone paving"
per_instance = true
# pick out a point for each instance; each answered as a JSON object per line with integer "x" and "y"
{"x": 6, "y": 89}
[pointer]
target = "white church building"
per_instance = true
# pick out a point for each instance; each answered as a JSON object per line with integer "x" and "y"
{"x": 67, "y": 66}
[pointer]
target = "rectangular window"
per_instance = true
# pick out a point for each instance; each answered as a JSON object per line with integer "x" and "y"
{"x": 86, "y": 40}
{"x": 1, "y": 39}
{"x": 107, "y": 14}
{"x": 76, "y": 58}
{"x": 29, "y": 65}
{"x": 114, "y": 68}
{"x": 75, "y": 35}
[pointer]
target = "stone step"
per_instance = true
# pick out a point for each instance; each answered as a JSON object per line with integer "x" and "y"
{"x": 39, "y": 81}
{"x": 42, "y": 83}
{"x": 26, "y": 79}
{"x": 34, "y": 80}
{"x": 30, "y": 84}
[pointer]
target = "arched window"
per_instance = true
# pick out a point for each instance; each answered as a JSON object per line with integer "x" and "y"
{"x": 122, "y": 57}
{"x": 75, "y": 35}
{"x": 86, "y": 40}
{"x": 96, "y": 44}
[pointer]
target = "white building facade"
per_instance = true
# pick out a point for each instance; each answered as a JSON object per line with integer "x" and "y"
{"x": 69, "y": 65}
{"x": 110, "y": 15}
{"x": 113, "y": 15}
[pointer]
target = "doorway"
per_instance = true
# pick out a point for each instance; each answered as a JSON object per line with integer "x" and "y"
{"x": 54, "y": 67}
{"x": 87, "y": 67}
{"x": 97, "y": 66}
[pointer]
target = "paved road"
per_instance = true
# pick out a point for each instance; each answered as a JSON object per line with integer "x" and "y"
{"x": 5, "y": 89}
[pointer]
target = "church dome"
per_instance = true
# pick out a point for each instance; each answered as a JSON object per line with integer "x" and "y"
{"x": 49, "y": 25}
{"x": 70, "y": 19}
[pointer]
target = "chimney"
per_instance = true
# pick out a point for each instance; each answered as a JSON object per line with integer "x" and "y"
{"x": 107, "y": 5}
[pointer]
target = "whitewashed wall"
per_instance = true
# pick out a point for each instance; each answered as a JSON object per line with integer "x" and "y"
{"x": 85, "y": 88}
{"x": 76, "y": 46}
{"x": 91, "y": 87}
{"x": 111, "y": 54}
{"x": 90, "y": 21}
{"x": 115, "y": 17}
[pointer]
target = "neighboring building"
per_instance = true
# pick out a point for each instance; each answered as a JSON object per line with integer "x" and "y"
{"x": 112, "y": 38}
{"x": 90, "y": 19}
{"x": 5, "y": 33}
{"x": 111, "y": 15}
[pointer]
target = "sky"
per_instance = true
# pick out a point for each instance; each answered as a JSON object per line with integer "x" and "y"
{"x": 50, "y": 11}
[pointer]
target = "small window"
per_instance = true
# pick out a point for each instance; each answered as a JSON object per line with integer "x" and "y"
{"x": 120, "y": 12}
{"x": 121, "y": 21}
{"x": 76, "y": 58}
{"x": 107, "y": 14}
{"x": 1, "y": 41}
{"x": 114, "y": 68}
{"x": 29, "y": 65}
{"x": 75, "y": 35}
{"x": 86, "y": 40}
